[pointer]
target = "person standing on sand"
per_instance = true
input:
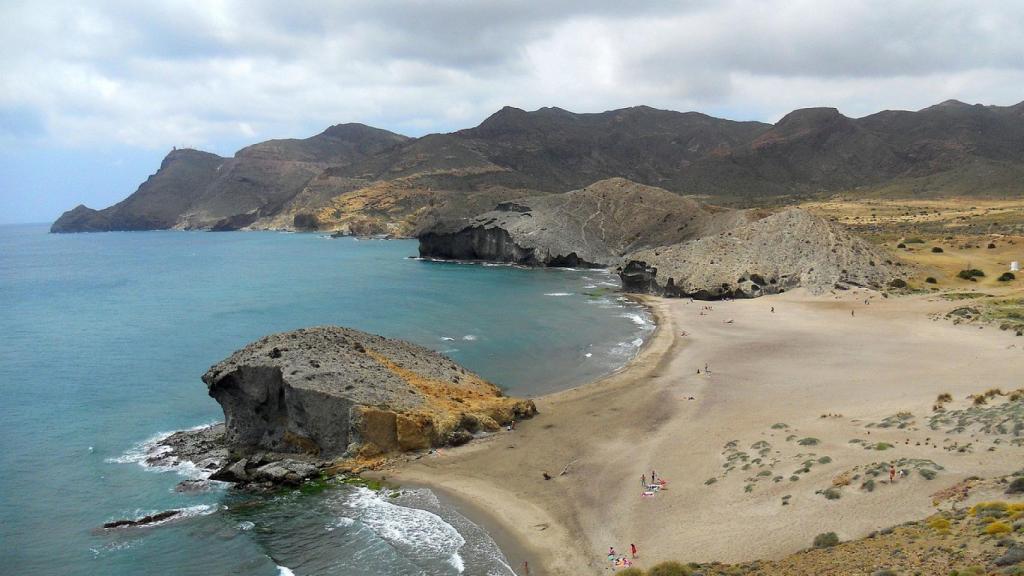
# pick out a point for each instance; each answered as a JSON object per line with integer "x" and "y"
{"x": 611, "y": 551}
{"x": 773, "y": 309}
{"x": 643, "y": 481}
{"x": 654, "y": 477}
{"x": 632, "y": 549}
{"x": 892, "y": 473}
{"x": 851, "y": 312}
{"x": 526, "y": 567}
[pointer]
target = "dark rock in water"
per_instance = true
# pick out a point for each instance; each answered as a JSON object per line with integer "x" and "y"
{"x": 189, "y": 486}
{"x": 236, "y": 222}
{"x": 145, "y": 520}
{"x": 204, "y": 447}
{"x": 328, "y": 391}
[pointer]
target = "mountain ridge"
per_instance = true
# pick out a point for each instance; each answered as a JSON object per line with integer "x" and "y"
{"x": 359, "y": 179}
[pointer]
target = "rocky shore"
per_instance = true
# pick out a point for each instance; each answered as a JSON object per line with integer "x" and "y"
{"x": 300, "y": 402}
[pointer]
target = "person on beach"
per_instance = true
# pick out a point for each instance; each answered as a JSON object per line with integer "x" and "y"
{"x": 643, "y": 481}
{"x": 654, "y": 477}
{"x": 851, "y": 313}
{"x": 526, "y": 567}
{"x": 611, "y": 551}
{"x": 892, "y": 473}
{"x": 632, "y": 549}
{"x": 773, "y": 309}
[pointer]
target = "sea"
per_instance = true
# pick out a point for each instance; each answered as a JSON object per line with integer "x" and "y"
{"x": 105, "y": 337}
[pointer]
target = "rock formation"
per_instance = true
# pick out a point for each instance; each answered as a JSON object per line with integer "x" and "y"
{"x": 594, "y": 226}
{"x": 786, "y": 250}
{"x": 331, "y": 391}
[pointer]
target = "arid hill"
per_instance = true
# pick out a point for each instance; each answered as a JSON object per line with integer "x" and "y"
{"x": 593, "y": 226}
{"x": 786, "y": 250}
{"x": 362, "y": 180}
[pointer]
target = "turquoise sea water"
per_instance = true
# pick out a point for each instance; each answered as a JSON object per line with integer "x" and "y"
{"x": 105, "y": 337}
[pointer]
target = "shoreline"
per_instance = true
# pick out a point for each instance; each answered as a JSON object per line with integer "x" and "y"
{"x": 796, "y": 358}
{"x": 481, "y": 503}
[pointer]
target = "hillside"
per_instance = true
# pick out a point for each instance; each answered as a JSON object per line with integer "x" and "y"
{"x": 787, "y": 250}
{"x": 354, "y": 178}
{"x": 592, "y": 226}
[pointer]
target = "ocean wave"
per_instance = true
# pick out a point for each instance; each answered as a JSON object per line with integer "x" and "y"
{"x": 417, "y": 534}
{"x": 469, "y": 337}
{"x": 284, "y": 571}
{"x": 151, "y": 448}
{"x": 447, "y": 338}
{"x": 558, "y": 294}
{"x": 637, "y": 319}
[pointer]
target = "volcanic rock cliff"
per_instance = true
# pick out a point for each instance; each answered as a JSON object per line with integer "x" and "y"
{"x": 331, "y": 391}
{"x": 786, "y": 250}
{"x": 593, "y": 226}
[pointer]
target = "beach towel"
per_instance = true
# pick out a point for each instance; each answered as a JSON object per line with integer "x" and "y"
{"x": 647, "y": 494}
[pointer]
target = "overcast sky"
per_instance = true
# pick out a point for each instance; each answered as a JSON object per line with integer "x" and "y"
{"x": 93, "y": 94}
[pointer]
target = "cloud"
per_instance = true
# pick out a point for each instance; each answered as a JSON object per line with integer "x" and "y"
{"x": 218, "y": 73}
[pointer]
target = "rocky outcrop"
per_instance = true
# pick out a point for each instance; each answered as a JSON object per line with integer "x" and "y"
{"x": 329, "y": 392}
{"x": 783, "y": 251}
{"x": 594, "y": 226}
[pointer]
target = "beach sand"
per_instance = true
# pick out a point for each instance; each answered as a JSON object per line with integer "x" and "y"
{"x": 808, "y": 359}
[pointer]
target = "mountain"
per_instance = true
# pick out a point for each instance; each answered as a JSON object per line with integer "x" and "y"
{"x": 361, "y": 180}
{"x": 194, "y": 189}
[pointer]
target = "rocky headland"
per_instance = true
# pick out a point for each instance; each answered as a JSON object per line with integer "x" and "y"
{"x": 297, "y": 402}
{"x": 783, "y": 251}
{"x": 591, "y": 227}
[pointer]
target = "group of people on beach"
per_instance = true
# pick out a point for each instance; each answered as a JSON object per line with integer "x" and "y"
{"x": 620, "y": 560}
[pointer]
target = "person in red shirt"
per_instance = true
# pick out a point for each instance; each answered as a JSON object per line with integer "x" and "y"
{"x": 632, "y": 549}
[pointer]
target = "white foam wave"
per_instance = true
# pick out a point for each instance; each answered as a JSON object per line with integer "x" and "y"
{"x": 342, "y": 522}
{"x": 456, "y": 561}
{"x": 447, "y": 338}
{"x": 469, "y": 337}
{"x": 152, "y": 448}
{"x": 417, "y": 534}
{"x": 246, "y": 525}
{"x": 637, "y": 319}
{"x": 558, "y": 294}
{"x": 284, "y": 571}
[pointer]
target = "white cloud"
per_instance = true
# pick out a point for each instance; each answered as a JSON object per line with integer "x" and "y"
{"x": 157, "y": 74}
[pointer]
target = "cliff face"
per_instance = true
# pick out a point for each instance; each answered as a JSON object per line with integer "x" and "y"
{"x": 594, "y": 226}
{"x": 331, "y": 391}
{"x": 783, "y": 251}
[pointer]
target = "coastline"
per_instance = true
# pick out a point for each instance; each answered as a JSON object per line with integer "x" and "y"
{"x": 511, "y": 523}
{"x": 793, "y": 358}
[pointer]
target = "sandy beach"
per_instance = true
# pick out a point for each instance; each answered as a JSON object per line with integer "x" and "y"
{"x": 794, "y": 399}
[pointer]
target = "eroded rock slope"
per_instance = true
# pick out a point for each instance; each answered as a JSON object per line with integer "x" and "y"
{"x": 330, "y": 391}
{"x": 786, "y": 250}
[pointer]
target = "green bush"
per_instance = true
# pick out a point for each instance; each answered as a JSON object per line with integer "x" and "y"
{"x": 868, "y": 485}
{"x": 931, "y": 280}
{"x": 928, "y": 473}
{"x": 631, "y": 572}
{"x": 970, "y": 274}
{"x": 936, "y": 250}
{"x": 669, "y": 569}
{"x": 826, "y": 540}
{"x": 832, "y": 494}
{"x": 1006, "y": 277}
{"x": 825, "y": 460}
{"x": 808, "y": 442}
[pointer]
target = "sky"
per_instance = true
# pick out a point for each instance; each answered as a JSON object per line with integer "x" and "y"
{"x": 93, "y": 94}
